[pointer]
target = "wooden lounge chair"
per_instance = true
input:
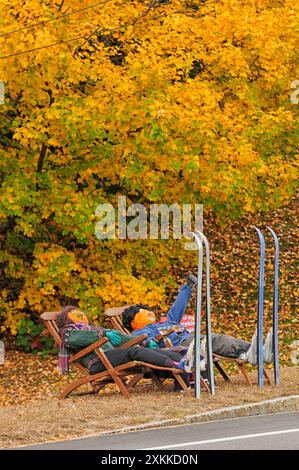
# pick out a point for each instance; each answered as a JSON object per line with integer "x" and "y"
{"x": 118, "y": 375}
{"x": 114, "y": 316}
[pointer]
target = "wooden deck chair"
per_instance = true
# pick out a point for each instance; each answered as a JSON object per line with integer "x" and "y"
{"x": 111, "y": 374}
{"x": 114, "y": 317}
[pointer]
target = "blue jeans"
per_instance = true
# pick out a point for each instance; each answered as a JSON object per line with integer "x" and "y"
{"x": 178, "y": 308}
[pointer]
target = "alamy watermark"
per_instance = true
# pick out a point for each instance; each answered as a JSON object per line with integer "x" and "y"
{"x": 137, "y": 222}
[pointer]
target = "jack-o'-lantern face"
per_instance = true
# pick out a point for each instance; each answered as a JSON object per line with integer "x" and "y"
{"x": 143, "y": 318}
{"x": 76, "y": 316}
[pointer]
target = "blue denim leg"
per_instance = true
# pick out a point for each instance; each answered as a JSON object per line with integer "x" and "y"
{"x": 178, "y": 308}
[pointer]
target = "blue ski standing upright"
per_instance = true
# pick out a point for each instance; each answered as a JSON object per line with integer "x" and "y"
{"x": 197, "y": 347}
{"x": 275, "y": 307}
{"x": 260, "y": 318}
{"x": 208, "y": 316}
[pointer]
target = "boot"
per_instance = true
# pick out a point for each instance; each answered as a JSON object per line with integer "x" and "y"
{"x": 268, "y": 348}
{"x": 191, "y": 280}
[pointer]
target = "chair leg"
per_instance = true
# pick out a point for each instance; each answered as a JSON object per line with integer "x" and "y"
{"x": 267, "y": 377}
{"x": 119, "y": 383}
{"x": 134, "y": 381}
{"x": 157, "y": 381}
{"x": 70, "y": 388}
{"x": 83, "y": 380}
{"x": 182, "y": 384}
{"x": 245, "y": 373}
{"x": 222, "y": 371}
{"x": 97, "y": 387}
{"x": 204, "y": 385}
{"x": 113, "y": 373}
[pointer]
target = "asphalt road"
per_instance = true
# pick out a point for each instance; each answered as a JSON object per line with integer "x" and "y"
{"x": 275, "y": 431}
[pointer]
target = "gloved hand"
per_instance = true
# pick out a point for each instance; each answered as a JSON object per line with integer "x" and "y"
{"x": 114, "y": 337}
{"x": 152, "y": 344}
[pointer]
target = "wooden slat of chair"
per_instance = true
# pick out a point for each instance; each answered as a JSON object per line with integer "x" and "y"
{"x": 120, "y": 325}
{"x": 267, "y": 378}
{"x": 116, "y": 325}
{"x": 114, "y": 315}
{"x": 133, "y": 342}
{"x": 134, "y": 381}
{"x": 221, "y": 370}
{"x": 49, "y": 319}
{"x": 87, "y": 350}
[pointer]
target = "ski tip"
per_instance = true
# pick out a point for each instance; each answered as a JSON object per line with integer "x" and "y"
{"x": 198, "y": 232}
{"x": 272, "y": 231}
{"x": 257, "y": 229}
{"x": 260, "y": 234}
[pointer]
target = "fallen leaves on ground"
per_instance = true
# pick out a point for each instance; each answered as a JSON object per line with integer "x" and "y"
{"x": 29, "y": 377}
{"x": 33, "y": 414}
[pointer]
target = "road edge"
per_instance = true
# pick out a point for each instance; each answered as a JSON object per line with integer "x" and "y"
{"x": 276, "y": 405}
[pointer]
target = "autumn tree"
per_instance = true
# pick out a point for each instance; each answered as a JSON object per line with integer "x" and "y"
{"x": 161, "y": 101}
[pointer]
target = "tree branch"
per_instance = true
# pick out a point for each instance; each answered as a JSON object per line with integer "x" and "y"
{"x": 41, "y": 158}
{"x": 61, "y": 5}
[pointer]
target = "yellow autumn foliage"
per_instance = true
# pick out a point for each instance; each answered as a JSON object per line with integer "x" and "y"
{"x": 177, "y": 101}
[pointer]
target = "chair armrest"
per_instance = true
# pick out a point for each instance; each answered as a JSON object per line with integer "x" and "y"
{"x": 162, "y": 336}
{"x": 159, "y": 337}
{"x": 132, "y": 342}
{"x": 89, "y": 349}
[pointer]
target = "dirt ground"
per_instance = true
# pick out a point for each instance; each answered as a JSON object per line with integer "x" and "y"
{"x": 31, "y": 413}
